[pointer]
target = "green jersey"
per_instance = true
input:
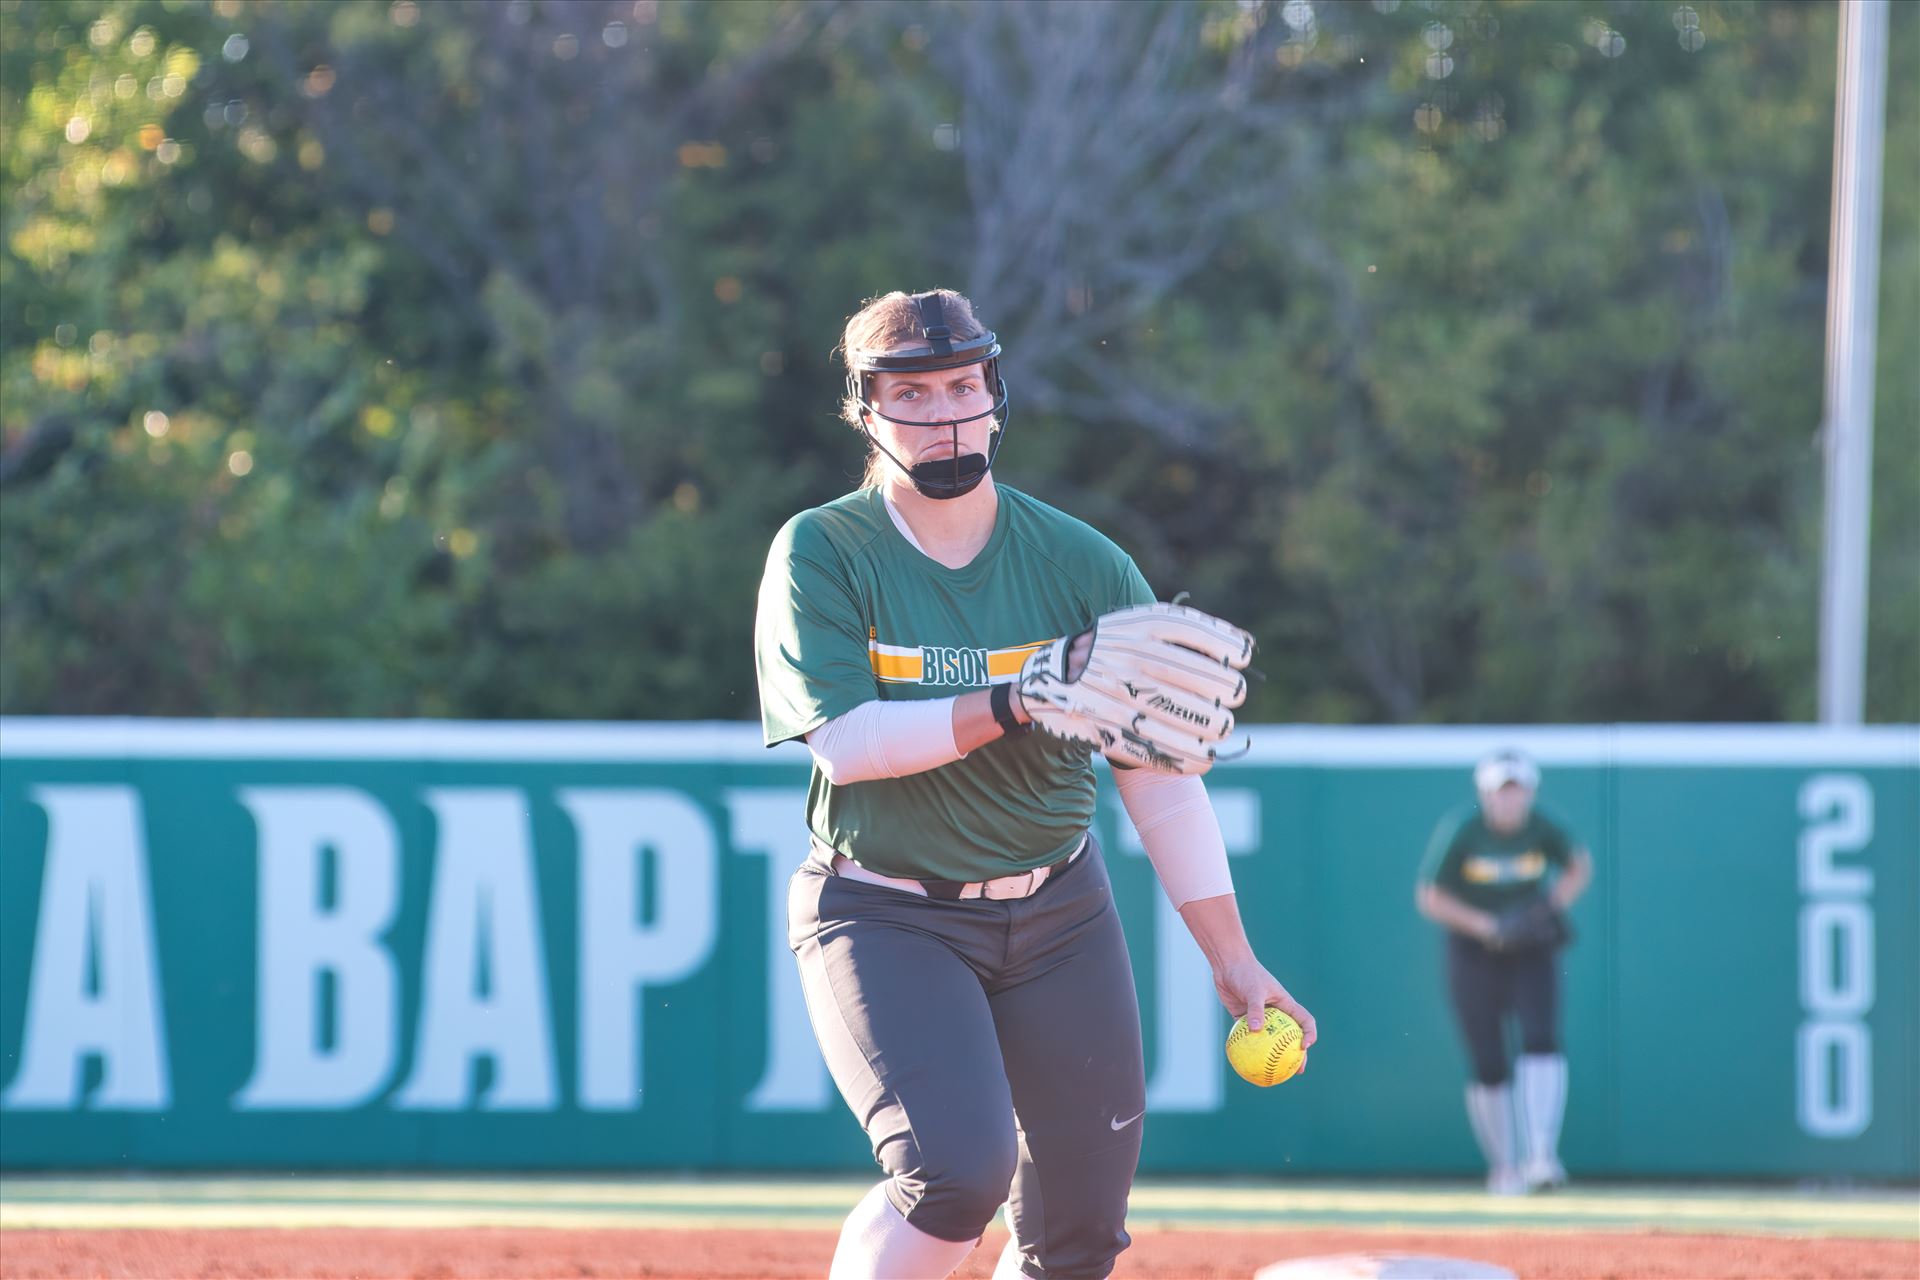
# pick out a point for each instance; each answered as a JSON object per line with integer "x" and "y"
{"x": 850, "y": 611}
{"x": 1486, "y": 869}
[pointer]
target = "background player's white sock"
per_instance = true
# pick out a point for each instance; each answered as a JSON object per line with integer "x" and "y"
{"x": 1008, "y": 1268}
{"x": 876, "y": 1243}
{"x": 1490, "y": 1111}
{"x": 1542, "y": 1080}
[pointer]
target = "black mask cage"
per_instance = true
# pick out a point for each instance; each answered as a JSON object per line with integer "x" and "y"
{"x": 939, "y": 352}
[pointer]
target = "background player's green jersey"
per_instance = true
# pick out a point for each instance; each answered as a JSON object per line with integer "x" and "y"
{"x": 851, "y": 611}
{"x": 1486, "y": 869}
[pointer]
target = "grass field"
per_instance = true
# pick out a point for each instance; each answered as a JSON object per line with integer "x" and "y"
{"x": 705, "y": 1227}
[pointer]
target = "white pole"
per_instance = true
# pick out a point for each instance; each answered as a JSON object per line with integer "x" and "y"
{"x": 1853, "y": 295}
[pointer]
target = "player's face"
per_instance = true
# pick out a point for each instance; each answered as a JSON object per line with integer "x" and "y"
{"x": 1507, "y": 808}
{"x": 941, "y": 396}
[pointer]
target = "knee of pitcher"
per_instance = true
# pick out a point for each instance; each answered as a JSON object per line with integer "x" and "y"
{"x": 958, "y": 1201}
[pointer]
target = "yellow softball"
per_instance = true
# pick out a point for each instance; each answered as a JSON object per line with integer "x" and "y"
{"x": 1269, "y": 1055}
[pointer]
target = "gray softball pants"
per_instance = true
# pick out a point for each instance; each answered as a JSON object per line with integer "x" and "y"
{"x": 991, "y": 1050}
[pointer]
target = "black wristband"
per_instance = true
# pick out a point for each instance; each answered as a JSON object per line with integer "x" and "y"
{"x": 1001, "y": 700}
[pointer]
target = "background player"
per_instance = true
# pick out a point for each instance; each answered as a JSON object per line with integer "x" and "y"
{"x": 1500, "y": 875}
{"x": 962, "y": 961}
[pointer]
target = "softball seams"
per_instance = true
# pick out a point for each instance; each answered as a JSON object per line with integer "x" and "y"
{"x": 1284, "y": 1042}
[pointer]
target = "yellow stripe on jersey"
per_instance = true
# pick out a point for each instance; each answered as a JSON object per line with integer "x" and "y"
{"x": 895, "y": 668}
{"x": 1006, "y": 663}
{"x": 1493, "y": 868}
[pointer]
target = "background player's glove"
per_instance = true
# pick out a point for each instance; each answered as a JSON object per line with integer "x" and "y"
{"x": 1530, "y": 926}
{"x": 1157, "y": 690}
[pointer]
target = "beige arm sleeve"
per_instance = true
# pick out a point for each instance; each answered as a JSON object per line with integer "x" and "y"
{"x": 885, "y": 740}
{"x": 1180, "y": 832}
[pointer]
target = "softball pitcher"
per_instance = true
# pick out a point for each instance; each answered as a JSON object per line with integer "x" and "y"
{"x": 1501, "y": 876}
{"x": 963, "y": 965}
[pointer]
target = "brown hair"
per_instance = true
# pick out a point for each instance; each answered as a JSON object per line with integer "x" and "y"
{"x": 888, "y": 321}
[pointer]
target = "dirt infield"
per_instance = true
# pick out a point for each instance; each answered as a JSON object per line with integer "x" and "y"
{"x": 708, "y": 1254}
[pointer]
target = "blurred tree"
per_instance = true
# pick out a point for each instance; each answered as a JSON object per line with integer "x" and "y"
{"x": 461, "y": 359}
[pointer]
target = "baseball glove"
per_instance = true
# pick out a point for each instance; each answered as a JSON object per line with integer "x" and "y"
{"x": 1157, "y": 690}
{"x": 1531, "y": 926}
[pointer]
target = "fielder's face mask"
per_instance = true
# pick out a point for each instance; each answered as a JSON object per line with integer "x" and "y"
{"x": 938, "y": 477}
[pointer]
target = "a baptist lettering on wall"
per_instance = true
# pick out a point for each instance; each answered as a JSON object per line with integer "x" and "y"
{"x": 483, "y": 981}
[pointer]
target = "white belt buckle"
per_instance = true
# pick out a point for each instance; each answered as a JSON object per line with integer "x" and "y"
{"x": 1014, "y": 886}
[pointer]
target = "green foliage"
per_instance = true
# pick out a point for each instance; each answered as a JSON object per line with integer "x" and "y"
{"x": 411, "y": 359}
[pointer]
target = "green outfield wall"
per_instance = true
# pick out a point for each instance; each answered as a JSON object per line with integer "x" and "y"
{"x": 439, "y": 945}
